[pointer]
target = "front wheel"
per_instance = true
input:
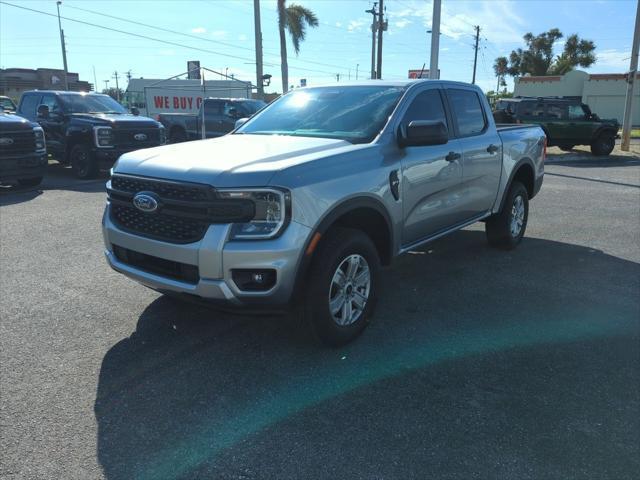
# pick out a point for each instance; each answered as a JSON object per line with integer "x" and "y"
{"x": 343, "y": 279}
{"x": 82, "y": 162}
{"x": 506, "y": 229}
{"x": 603, "y": 144}
{"x": 566, "y": 147}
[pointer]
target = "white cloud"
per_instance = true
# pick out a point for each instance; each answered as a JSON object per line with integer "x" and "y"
{"x": 613, "y": 59}
{"x": 356, "y": 25}
{"x": 242, "y": 37}
{"x": 403, "y": 23}
{"x": 338, "y": 24}
{"x": 219, "y": 34}
{"x": 199, "y": 30}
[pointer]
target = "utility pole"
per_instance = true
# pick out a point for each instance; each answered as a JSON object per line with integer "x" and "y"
{"x": 381, "y": 28}
{"x": 475, "y": 56}
{"x": 631, "y": 78}
{"x": 95, "y": 79}
{"x": 374, "y": 27}
{"x": 64, "y": 48}
{"x": 337, "y": 77}
{"x": 115, "y": 75}
{"x": 357, "y": 67}
{"x": 106, "y": 84}
{"x": 258, "y": 41}
{"x": 435, "y": 40}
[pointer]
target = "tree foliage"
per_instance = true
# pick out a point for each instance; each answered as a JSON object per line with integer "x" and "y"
{"x": 537, "y": 58}
{"x": 116, "y": 94}
{"x": 294, "y": 19}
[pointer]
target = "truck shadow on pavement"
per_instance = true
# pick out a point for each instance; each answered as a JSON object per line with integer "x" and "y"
{"x": 479, "y": 363}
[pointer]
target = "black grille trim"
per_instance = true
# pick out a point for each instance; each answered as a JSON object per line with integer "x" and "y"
{"x": 24, "y": 141}
{"x": 185, "y": 209}
{"x": 159, "y": 266}
{"x": 124, "y": 138}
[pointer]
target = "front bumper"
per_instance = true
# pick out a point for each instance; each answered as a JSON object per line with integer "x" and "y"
{"x": 215, "y": 258}
{"x": 23, "y": 166}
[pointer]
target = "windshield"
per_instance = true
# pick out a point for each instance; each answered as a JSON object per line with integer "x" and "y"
{"x": 250, "y": 107}
{"x": 355, "y": 114}
{"x": 91, "y": 104}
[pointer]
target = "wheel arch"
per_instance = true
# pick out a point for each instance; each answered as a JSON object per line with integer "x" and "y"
{"x": 524, "y": 172}
{"x": 364, "y": 213}
{"x": 604, "y": 129}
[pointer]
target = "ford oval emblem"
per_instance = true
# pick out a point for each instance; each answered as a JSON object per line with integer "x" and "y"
{"x": 6, "y": 141}
{"x": 145, "y": 202}
{"x": 141, "y": 137}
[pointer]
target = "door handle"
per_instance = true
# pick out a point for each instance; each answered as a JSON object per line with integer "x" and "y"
{"x": 492, "y": 148}
{"x": 452, "y": 157}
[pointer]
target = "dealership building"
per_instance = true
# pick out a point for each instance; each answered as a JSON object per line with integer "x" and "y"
{"x": 605, "y": 93}
{"x": 14, "y": 81}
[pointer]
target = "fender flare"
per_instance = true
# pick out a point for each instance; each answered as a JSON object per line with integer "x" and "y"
{"x": 328, "y": 220}
{"x": 603, "y": 129}
{"x": 514, "y": 170}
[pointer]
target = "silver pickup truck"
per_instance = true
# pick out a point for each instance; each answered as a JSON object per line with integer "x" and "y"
{"x": 302, "y": 204}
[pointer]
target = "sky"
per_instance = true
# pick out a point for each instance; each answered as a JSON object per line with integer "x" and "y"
{"x": 220, "y": 33}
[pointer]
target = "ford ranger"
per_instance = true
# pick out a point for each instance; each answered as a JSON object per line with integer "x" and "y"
{"x": 302, "y": 204}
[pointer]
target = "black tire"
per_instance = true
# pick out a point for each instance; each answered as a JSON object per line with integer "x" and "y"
{"x": 177, "y": 135}
{"x": 340, "y": 245}
{"x": 30, "y": 182}
{"x": 82, "y": 162}
{"x": 499, "y": 226}
{"x": 566, "y": 147}
{"x": 603, "y": 144}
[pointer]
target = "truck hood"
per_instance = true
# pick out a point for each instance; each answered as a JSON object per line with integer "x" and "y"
{"x": 124, "y": 120}
{"x": 11, "y": 122}
{"x": 229, "y": 161}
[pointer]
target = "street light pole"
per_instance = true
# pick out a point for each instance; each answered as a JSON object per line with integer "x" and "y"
{"x": 374, "y": 27}
{"x": 631, "y": 78}
{"x": 258, "y": 42}
{"x": 435, "y": 40}
{"x": 64, "y": 50}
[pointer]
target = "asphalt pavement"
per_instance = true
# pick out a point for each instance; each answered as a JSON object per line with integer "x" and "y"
{"x": 479, "y": 363}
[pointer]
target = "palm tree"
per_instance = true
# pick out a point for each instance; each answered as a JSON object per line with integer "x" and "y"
{"x": 295, "y": 19}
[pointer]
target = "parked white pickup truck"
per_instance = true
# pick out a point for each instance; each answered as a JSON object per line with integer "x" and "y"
{"x": 303, "y": 203}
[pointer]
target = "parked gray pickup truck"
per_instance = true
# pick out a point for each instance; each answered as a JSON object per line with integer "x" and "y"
{"x": 301, "y": 205}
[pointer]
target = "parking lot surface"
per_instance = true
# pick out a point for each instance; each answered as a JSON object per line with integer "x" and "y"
{"x": 479, "y": 363}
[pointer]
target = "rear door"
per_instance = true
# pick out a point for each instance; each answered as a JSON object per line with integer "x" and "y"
{"x": 229, "y": 116}
{"x": 481, "y": 150}
{"x": 213, "y": 117}
{"x": 431, "y": 175}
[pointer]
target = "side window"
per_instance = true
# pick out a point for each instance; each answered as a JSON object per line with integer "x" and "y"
{"x": 227, "y": 108}
{"x": 52, "y": 102}
{"x": 468, "y": 111}
{"x": 213, "y": 107}
{"x": 29, "y": 106}
{"x": 538, "y": 110}
{"x": 576, "y": 112}
{"x": 556, "y": 111}
{"x": 426, "y": 106}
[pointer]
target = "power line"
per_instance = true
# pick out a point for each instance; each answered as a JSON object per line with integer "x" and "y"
{"x": 167, "y": 42}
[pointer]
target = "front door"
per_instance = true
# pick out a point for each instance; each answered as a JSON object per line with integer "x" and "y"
{"x": 431, "y": 175}
{"x": 212, "y": 117}
{"x": 54, "y": 125}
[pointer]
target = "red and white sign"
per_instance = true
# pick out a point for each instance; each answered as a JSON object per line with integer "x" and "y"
{"x": 416, "y": 74}
{"x": 163, "y": 100}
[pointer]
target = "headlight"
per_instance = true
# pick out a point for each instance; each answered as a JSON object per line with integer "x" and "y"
{"x": 272, "y": 213}
{"x": 103, "y": 137}
{"x": 40, "y": 143}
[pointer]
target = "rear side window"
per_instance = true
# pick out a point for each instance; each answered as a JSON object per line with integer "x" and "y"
{"x": 468, "y": 112}
{"x": 576, "y": 112}
{"x": 556, "y": 111}
{"x": 29, "y": 106}
{"x": 531, "y": 109}
{"x": 213, "y": 108}
{"x": 426, "y": 106}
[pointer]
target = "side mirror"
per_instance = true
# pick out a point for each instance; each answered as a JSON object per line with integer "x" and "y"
{"x": 233, "y": 113}
{"x": 422, "y": 133}
{"x": 135, "y": 111}
{"x": 43, "y": 111}
{"x": 240, "y": 122}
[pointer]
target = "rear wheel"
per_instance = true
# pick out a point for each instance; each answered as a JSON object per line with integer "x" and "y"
{"x": 343, "y": 279}
{"x": 506, "y": 229}
{"x": 82, "y": 162}
{"x": 30, "y": 182}
{"x": 567, "y": 147}
{"x": 603, "y": 144}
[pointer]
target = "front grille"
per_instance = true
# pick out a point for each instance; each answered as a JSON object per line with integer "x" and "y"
{"x": 23, "y": 142}
{"x": 125, "y": 138}
{"x": 160, "y": 266}
{"x": 184, "y": 212}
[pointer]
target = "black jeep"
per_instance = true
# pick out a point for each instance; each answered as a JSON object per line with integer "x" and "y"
{"x": 88, "y": 130}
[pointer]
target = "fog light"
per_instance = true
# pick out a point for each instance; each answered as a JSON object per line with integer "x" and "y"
{"x": 254, "y": 280}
